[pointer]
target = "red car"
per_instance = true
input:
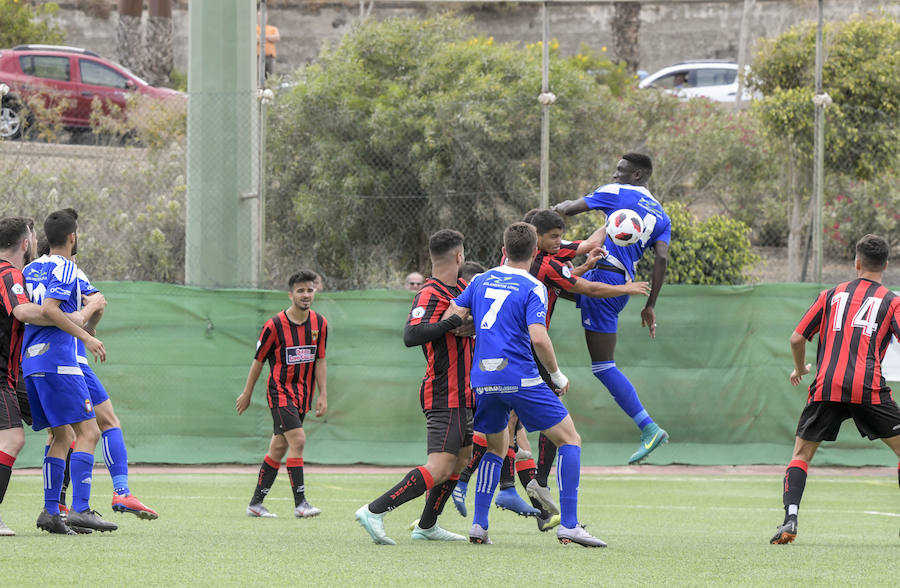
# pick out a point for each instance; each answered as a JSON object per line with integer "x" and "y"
{"x": 57, "y": 72}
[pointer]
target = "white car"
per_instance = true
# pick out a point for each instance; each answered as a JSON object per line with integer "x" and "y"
{"x": 712, "y": 79}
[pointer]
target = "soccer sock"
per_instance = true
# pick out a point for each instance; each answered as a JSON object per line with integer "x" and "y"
{"x": 568, "y": 474}
{"x": 6, "y": 464}
{"x": 508, "y": 471}
{"x": 267, "y": 473}
{"x": 53, "y": 476}
{"x": 66, "y": 474}
{"x": 546, "y": 455}
{"x": 295, "y": 475}
{"x": 622, "y": 391}
{"x": 794, "y": 483}
{"x": 414, "y": 483}
{"x": 116, "y": 457}
{"x": 488, "y": 478}
{"x": 479, "y": 446}
{"x": 526, "y": 470}
{"x": 82, "y": 466}
{"x": 434, "y": 504}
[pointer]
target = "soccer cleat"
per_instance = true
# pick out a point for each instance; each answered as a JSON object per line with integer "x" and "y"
{"x": 53, "y": 523}
{"x": 5, "y": 531}
{"x": 258, "y": 510}
{"x": 509, "y": 499}
{"x": 435, "y": 533}
{"x": 651, "y": 437}
{"x": 786, "y": 533}
{"x": 523, "y": 454}
{"x": 305, "y": 510}
{"x": 548, "y": 523}
{"x": 578, "y": 535}
{"x": 542, "y": 495}
{"x": 89, "y": 519}
{"x": 374, "y": 525}
{"x": 479, "y": 535}
{"x": 63, "y": 510}
{"x": 130, "y": 503}
{"x": 459, "y": 497}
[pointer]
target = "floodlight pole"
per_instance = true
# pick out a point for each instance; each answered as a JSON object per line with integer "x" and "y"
{"x": 743, "y": 41}
{"x": 545, "y": 109}
{"x": 818, "y": 164}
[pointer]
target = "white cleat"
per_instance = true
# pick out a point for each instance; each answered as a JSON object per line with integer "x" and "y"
{"x": 542, "y": 495}
{"x": 258, "y": 510}
{"x": 305, "y": 510}
{"x": 578, "y": 535}
{"x": 435, "y": 533}
{"x": 7, "y": 532}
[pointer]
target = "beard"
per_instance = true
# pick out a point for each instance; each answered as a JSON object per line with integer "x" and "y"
{"x": 29, "y": 256}
{"x": 75, "y": 246}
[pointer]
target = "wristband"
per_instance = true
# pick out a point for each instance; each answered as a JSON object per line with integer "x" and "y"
{"x": 559, "y": 379}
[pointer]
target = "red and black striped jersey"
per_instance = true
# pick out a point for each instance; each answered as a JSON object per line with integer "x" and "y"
{"x": 567, "y": 250}
{"x": 448, "y": 359}
{"x": 554, "y": 273}
{"x": 12, "y": 294}
{"x": 854, "y": 321}
{"x": 292, "y": 350}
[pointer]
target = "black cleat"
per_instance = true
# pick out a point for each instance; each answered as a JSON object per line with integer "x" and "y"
{"x": 90, "y": 519}
{"x": 786, "y": 533}
{"x": 53, "y": 523}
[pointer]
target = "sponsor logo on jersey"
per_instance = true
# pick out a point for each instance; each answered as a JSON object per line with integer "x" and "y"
{"x": 418, "y": 312}
{"x": 87, "y": 405}
{"x": 566, "y": 271}
{"x": 18, "y": 290}
{"x": 494, "y": 364}
{"x": 300, "y": 354}
{"x": 60, "y": 291}
{"x": 315, "y": 336}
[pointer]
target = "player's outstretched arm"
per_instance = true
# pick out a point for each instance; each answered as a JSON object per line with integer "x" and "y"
{"x": 321, "y": 381}
{"x": 597, "y": 239}
{"x": 243, "y": 401}
{"x": 798, "y": 352}
{"x": 602, "y": 290}
{"x": 593, "y": 256}
{"x": 543, "y": 347}
{"x": 50, "y": 310}
{"x": 571, "y": 207}
{"x": 648, "y": 314}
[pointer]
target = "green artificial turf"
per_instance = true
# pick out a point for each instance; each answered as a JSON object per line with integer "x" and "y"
{"x": 678, "y": 530}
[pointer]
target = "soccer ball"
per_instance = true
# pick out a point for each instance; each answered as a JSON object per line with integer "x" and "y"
{"x": 624, "y": 227}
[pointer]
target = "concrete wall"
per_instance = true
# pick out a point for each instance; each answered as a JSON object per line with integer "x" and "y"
{"x": 671, "y": 30}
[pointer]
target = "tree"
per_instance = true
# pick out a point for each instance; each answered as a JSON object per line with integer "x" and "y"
{"x": 129, "y": 42}
{"x": 862, "y": 135}
{"x": 626, "y": 27}
{"x": 21, "y": 23}
{"x": 159, "y": 56}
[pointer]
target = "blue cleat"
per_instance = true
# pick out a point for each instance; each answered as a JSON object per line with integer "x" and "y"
{"x": 509, "y": 499}
{"x": 459, "y": 497}
{"x": 651, "y": 437}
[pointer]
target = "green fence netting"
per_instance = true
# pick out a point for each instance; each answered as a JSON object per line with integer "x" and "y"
{"x": 716, "y": 377}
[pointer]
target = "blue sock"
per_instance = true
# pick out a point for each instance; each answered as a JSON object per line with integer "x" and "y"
{"x": 81, "y": 466}
{"x": 488, "y": 478}
{"x": 53, "y": 479}
{"x": 116, "y": 457}
{"x": 622, "y": 391}
{"x": 568, "y": 473}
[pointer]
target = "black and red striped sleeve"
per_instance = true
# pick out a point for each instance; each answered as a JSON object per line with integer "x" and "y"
{"x": 322, "y": 339}
{"x": 568, "y": 250}
{"x": 12, "y": 290}
{"x": 812, "y": 320}
{"x": 266, "y": 342}
{"x": 555, "y": 274}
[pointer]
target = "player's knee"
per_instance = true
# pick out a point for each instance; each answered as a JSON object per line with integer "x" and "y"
{"x": 108, "y": 420}
{"x": 12, "y": 441}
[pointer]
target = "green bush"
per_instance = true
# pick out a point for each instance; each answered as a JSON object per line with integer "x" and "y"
{"x": 859, "y": 208}
{"x": 20, "y": 22}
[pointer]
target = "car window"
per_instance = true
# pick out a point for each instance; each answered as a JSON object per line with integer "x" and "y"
{"x": 97, "y": 74}
{"x": 45, "y": 66}
{"x": 672, "y": 80}
{"x": 715, "y": 77}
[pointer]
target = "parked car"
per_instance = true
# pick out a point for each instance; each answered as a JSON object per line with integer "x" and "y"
{"x": 713, "y": 79}
{"x": 56, "y": 72}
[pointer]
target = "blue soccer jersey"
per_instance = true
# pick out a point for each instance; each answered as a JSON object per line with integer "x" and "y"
{"x": 657, "y": 226}
{"x": 503, "y": 302}
{"x": 50, "y": 349}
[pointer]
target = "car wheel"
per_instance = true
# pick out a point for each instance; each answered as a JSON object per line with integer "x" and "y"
{"x": 11, "y": 120}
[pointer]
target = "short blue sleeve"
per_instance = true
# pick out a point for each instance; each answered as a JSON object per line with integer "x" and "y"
{"x": 61, "y": 281}
{"x": 536, "y": 306}
{"x": 604, "y": 198}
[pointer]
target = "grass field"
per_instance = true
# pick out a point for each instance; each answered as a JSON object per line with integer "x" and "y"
{"x": 682, "y": 530}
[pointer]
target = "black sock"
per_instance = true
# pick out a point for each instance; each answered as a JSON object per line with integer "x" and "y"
{"x": 794, "y": 484}
{"x": 415, "y": 483}
{"x": 477, "y": 452}
{"x": 267, "y": 473}
{"x": 295, "y": 475}
{"x": 434, "y": 504}
{"x": 66, "y": 479}
{"x": 508, "y": 471}
{"x": 6, "y": 462}
{"x": 546, "y": 455}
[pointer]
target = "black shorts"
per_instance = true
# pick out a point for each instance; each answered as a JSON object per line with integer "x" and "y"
{"x": 10, "y": 417}
{"x": 821, "y": 421}
{"x": 286, "y": 418}
{"x": 449, "y": 429}
{"x": 22, "y": 396}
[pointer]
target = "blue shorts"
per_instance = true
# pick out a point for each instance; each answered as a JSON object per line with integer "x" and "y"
{"x": 58, "y": 399}
{"x": 95, "y": 388}
{"x": 601, "y": 314}
{"x": 537, "y": 407}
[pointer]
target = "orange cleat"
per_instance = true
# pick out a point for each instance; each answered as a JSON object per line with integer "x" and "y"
{"x": 129, "y": 503}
